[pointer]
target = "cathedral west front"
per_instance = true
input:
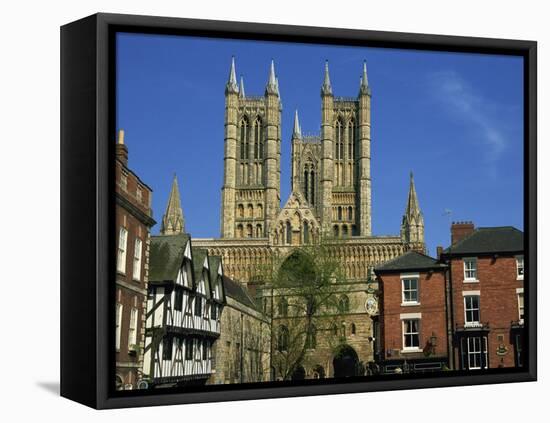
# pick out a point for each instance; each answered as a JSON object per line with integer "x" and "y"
{"x": 330, "y": 200}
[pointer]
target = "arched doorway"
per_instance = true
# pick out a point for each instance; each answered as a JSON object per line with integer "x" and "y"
{"x": 318, "y": 372}
{"x": 345, "y": 362}
{"x": 299, "y": 373}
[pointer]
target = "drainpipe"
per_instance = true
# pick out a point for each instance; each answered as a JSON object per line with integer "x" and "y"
{"x": 450, "y": 313}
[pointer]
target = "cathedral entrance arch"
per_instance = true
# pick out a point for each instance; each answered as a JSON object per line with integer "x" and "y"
{"x": 345, "y": 362}
{"x": 299, "y": 373}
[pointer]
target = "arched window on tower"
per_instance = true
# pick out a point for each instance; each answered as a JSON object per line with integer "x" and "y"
{"x": 258, "y": 139}
{"x": 260, "y": 210}
{"x": 339, "y": 139}
{"x": 335, "y": 229}
{"x": 244, "y": 138}
{"x": 350, "y": 213}
{"x": 288, "y": 232}
{"x": 239, "y": 231}
{"x": 250, "y": 208}
{"x": 240, "y": 210}
{"x": 339, "y": 212}
{"x": 249, "y": 233}
{"x": 258, "y": 231}
{"x": 344, "y": 231}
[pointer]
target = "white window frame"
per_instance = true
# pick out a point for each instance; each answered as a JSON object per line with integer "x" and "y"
{"x": 138, "y": 248}
{"x": 119, "y": 309}
{"x": 122, "y": 248}
{"x": 521, "y": 304}
{"x": 474, "y": 269}
{"x": 473, "y": 323}
{"x": 404, "y": 301}
{"x": 520, "y": 259}
{"x": 470, "y": 351}
{"x": 404, "y": 334}
{"x": 132, "y": 327}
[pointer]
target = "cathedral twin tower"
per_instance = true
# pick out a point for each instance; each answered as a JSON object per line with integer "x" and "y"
{"x": 331, "y": 175}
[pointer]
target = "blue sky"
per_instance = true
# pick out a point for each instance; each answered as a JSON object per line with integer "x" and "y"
{"x": 455, "y": 120}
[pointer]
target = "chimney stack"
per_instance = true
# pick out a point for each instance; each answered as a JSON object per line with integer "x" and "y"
{"x": 460, "y": 230}
{"x": 121, "y": 150}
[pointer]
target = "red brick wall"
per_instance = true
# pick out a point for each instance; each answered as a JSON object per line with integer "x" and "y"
{"x": 131, "y": 293}
{"x": 498, "y": 303}
{"x": 432, "y": 307}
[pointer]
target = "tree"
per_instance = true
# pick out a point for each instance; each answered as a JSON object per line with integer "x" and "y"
{"x": 305, "y": 297}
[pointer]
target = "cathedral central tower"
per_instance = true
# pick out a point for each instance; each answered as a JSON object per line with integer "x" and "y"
{"x": 251, "y": 190}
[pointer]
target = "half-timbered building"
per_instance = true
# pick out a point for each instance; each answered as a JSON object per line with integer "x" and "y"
{"x": 184, "y": 307}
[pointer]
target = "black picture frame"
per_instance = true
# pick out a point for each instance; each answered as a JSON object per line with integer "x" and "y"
{"x": 87, "y": 247}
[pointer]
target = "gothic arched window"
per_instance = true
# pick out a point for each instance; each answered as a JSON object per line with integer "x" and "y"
{"x": 306, "y": 184}
{"x": 258, "y": 231}
{"x": 343, "y": 304}
{"x": 306, "y": 232}
{"x": 311, "y": 338}
{"x": 288, "y": 233}
{"x": 239, "y": 231}
{"x": 244, "y": 138}
{"x": 312, "y": 191}
{"x": 335, "y": 231}
{"x": 350, "y": 213}
{"x": 339, "y": 213}
{"x": 258, "y": 139}
{"x": 282, "y": 308}
{"x": 282, "y": 338}
{"x": 344, "y": 231}
{"x": 240, "y": 209}
{"x": 339, "y": 139}
{"x": 353, "y": 329}
{"x": 260, "y": 210}
{"x": 249, "y": 233}
{"x": 250, "y": 208}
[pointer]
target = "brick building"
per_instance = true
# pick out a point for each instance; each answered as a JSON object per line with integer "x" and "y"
{"x": 486, "y": 286}
{"x": 133, "y": 222}
{"x": 413, "y": 322}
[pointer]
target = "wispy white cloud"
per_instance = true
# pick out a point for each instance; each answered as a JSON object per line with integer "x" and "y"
{"x": 462, "y": 100}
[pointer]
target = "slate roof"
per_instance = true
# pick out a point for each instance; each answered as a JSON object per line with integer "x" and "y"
{"x": 503, "y": 239}
{"x": 166, "y": 256}
{"x": 239, "y": 293}
{"x": 411, "y": 260}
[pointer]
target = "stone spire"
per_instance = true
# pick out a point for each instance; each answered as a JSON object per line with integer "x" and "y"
{"x": 272, "y": 86}
{"x": 326, "y": 89}
{"x": 241, "y": 88}
{"x": 231, "y": 86}
{"x": 173, "y": 222}
{"x": 364, "y": 81}
{"x": 412, "y": 226}
{"x": 297, "y": 132}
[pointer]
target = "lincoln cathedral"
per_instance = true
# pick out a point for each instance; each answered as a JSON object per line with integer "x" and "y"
{"x": 209, "y": 317}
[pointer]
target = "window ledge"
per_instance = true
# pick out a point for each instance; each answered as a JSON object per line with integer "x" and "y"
{"x": 411, "y": 350}
{"x": 519, "y": 278}
{"x": 473, "y": 325}
{"x": 471, "y": 281}
{"x": 411, "y": 304}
